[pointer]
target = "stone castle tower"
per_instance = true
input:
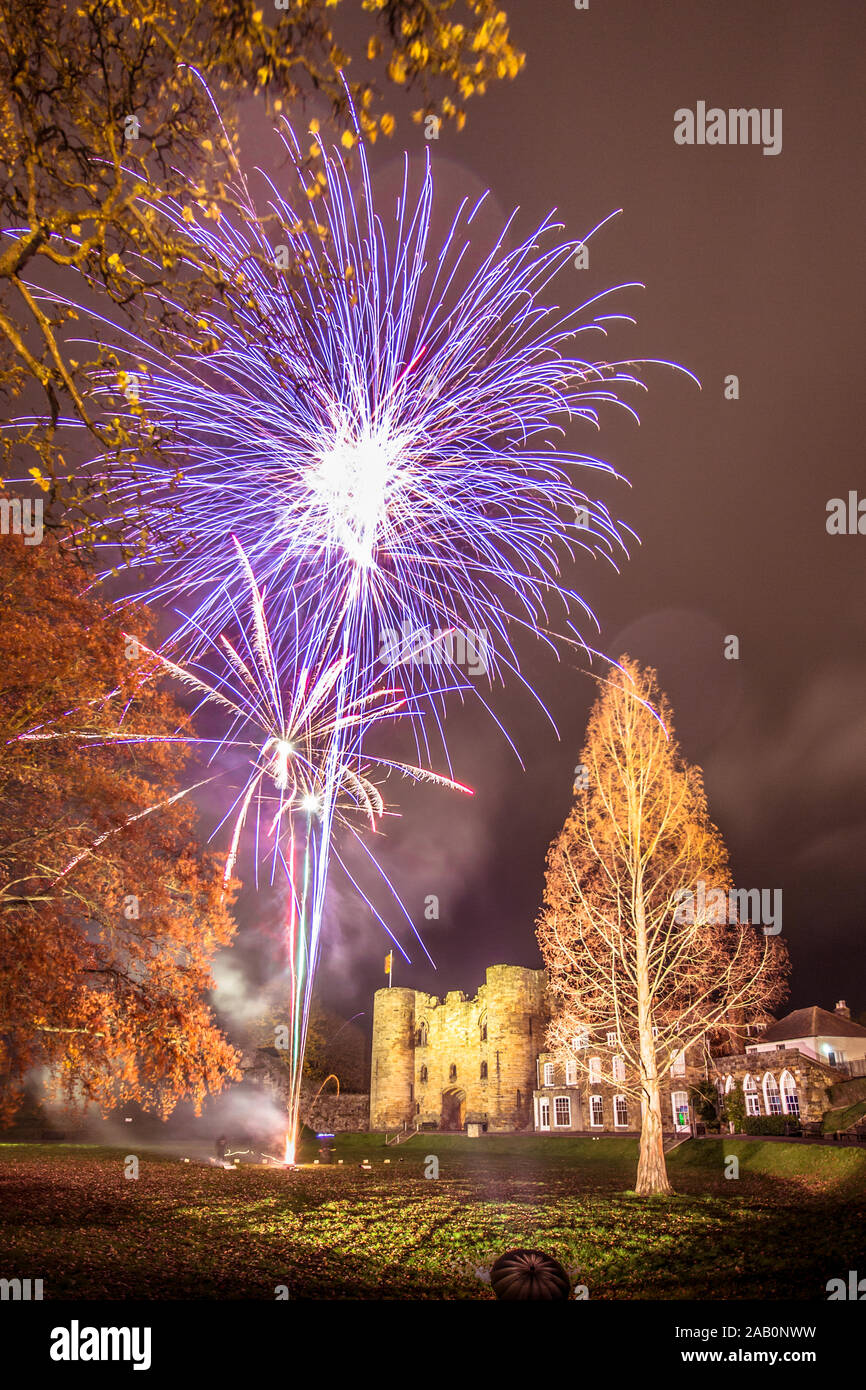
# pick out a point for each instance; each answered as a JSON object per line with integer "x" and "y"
{"x": 445, "y": 1063}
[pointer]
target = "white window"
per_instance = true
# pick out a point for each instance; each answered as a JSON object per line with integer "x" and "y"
{"x": 619, "y": 1069}
{"x": 579, "y": 1041}
{"x": 729, "y": 1083}
{"x": 562, "y": 1112}
{"x": 620, "y": 1112}
{"x": 544, "y": 1113}
{"x": 571, "y": 1073}
{"x": 750, "y": 1090}
{"x": 772, "y": 1099}
{"x": 596, "y": 1112}
{"x": 790, "y": 1097}
{"x": 678, "y": 1066}
{"x": 548, "y": 1073}
{"x": 611, "y": 1039}
{"x": 594, "y": 1070}
{"x": 680, "y": 1107}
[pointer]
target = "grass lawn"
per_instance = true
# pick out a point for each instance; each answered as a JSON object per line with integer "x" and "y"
{"x": 842, "y": 1118}
{"x": 793, "y": 1219}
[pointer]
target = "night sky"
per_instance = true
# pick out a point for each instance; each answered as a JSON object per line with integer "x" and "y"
{"x": 749, "y": 266}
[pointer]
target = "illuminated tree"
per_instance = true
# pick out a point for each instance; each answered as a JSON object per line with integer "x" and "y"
{"x": 110, "y": 912}
{"x": 623, "y": 954}
{"x": 100, "y": 100}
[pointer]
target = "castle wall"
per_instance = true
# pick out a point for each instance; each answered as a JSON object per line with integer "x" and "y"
{"x": 517, "y": 1018}
{"x": 336, "y": 1114}
{"x": 467, "y": 1060}
{"x": 392, "y": 1068}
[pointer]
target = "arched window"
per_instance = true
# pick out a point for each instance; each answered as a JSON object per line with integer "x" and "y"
{"x": 772, "y": 1099}
{"x": 750, "y": 1091}
{"x": 484, "y": 1029}
{"x": 729, "y": 1084}
{"x": 594, "y": 1070}
{"x": 790, "y": 1095}
{"x": 483, "y": 1071}
{"x": 423, "y": 1075}
{"x": 421, "y": 1036}
{"x": 452, "y": 1072}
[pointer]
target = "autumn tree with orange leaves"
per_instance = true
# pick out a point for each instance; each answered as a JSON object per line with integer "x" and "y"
{"x": 110, "y": 911}
{"x": 621, "y": 953}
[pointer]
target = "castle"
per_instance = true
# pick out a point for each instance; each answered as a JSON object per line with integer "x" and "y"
{"x": 456, "y": 1062}
{"x": 481, "y": 1065}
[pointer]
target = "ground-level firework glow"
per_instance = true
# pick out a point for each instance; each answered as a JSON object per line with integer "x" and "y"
{"x": 307, "y": 773}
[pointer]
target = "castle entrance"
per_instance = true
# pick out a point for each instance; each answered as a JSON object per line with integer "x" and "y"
{"x": 453, "y": 1109}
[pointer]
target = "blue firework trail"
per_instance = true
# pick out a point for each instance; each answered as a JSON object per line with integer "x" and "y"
{"x": 379, "y": 426}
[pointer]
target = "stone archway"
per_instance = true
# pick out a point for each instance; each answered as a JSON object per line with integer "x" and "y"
{"x": 453, "y": 1109}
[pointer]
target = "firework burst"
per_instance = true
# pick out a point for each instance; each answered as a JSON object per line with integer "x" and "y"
{"x": 379, "y": 424}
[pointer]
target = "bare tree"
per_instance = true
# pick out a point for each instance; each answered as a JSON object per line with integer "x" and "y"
{"x": 626, "y": 949}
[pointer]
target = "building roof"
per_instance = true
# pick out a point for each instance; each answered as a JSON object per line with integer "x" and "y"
{"x": 812, "y": 1023}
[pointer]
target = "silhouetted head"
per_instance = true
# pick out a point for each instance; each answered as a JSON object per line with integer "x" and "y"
{"x": 522, "y": 1274}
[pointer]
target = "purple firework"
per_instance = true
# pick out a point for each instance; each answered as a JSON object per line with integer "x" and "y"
{"x": 378, "y": 430}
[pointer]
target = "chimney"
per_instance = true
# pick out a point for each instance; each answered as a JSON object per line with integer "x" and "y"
{"x": 842, "y": 1008}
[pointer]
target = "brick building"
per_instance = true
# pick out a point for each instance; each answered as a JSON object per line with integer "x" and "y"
{"x": 451, "y": 1063}
{"x": 785, "y": 1069}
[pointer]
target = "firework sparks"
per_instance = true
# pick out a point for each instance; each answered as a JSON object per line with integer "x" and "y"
{"x": 378, "y": 433}
{"x": 307, "y": 771}
{"x": 377, "y": 430}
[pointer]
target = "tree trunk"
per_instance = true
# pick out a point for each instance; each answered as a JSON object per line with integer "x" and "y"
{"x": 652, "y": 1173}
